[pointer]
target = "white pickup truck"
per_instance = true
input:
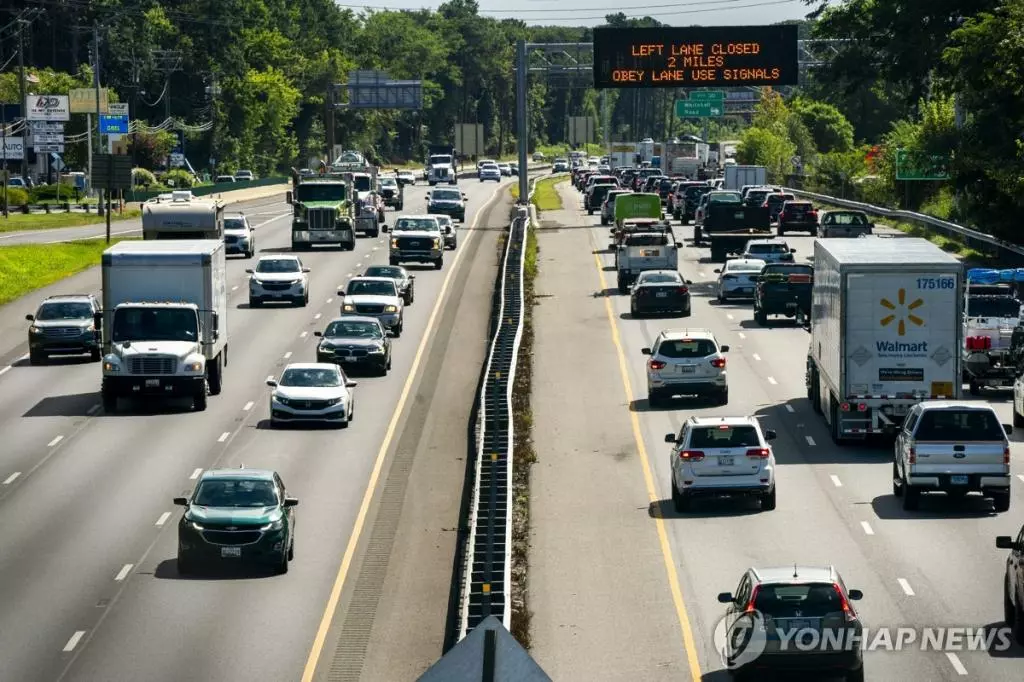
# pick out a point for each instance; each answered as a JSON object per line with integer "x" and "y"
{"x": 652, "y": 248}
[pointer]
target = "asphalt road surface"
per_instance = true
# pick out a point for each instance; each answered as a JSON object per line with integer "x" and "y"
{"x": 935, "y": 567}
{"x": 87, "y": 571}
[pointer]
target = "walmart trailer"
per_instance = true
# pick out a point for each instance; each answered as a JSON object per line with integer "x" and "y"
{"x": 885, "y": 332}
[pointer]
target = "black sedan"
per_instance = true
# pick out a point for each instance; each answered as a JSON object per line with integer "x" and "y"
{"x": 355, "y": 342}
{"x": 658, "y": 292}
{"x": 406, "y": 283}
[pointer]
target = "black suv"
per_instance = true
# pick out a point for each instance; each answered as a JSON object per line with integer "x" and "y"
{"x": 63, "y": 325}
{"x": 449, "y": 202}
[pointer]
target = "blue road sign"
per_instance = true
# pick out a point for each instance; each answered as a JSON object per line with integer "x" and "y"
{"x": 113, "y": 125}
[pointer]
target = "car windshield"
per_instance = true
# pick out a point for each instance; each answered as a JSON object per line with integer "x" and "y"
{"x": 659, "y": 278}
{"x": 369, "y": 287}
{"x": 846, "y": 219}
{"x": 384, "y": 271}
{"x": 361, "y": 183}
{"x": 233, "y": 492}
{"x": 234, "y": 224}
{"x": 278, "y": 265}
{"x": 757, "y": 195}
{"x": 795, "y": 269}
{"x": 311, "y": 377}
{"x": 793, "y": 207}
{"x": 155, "y": 324}
{"x": 744, "y": 267}
{"x": 789, "y": 600}
{"x": 416, "y": 224}
{"x": 647, "y": 239}
{"x": 991, "y": 306}
{"x": 388, "y": 182}
{"x": 353, "y": 329}
{"x": 695, "y": 192}
{"x": 66, "y": 310}
{"x": 445, "y": 195}
{"x": 320, "y": 191}
{"x": 767, "y": 248}
{"x": 725, "y": 198}
{"x": 958, "y": 425}
{"x": 687, "y": 348}
{"x": 724, "y": 436}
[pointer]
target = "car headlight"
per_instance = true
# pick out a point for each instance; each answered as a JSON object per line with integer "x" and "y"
{"x": 195, "y": 366}
{"x": 391, "y": 309}
{"x": 333, "y": 401}
{"x": 111, "y": 367}
{"x": 348, "y": 308}
{"x": 437, "y": 243}
{"x": 195, "y": 526}
{"x": 34, "y": 330}
{"x": 326, "y": 348}
{"x": 377, "y": 350}
{"x": 394, "y": 243}
{"x": 274, "y": 525}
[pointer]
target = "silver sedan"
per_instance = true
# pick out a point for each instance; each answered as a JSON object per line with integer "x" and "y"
{"x": 738, "y": 278}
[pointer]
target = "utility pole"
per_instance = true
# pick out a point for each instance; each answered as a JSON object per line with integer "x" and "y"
{"x": 24, "y": 101}
{"x": 522, "y": 126}
{"x": 96, "y": 85}
{"x": 332, "y": 94}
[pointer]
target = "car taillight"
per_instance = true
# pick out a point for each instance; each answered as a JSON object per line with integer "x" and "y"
{"x": 782, "y": 215}
{"x": 844, "y": 603}
{"x": 683, "y": 290}
{"x": 764, "y": 205}
{"x": 1006, "y": 454}
{"x": 760, "y": 453}
{"x": 691, "y": 455}
{"x": 718, "y": 362}
{"x": 912, "y": 455}
{"x": 753, "y": 598}
{"x": 656, "y": 364}
{"x": 813, "y": 213}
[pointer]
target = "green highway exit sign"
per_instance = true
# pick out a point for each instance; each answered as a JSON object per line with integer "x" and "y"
{"x": 921, "y": 167}
{"x": 707, "y": 96}
{"x": 686, "y": 108}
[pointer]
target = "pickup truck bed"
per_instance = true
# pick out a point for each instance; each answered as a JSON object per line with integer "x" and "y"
{"x": 730, "y": 226}
{"x": 783, "y": 289}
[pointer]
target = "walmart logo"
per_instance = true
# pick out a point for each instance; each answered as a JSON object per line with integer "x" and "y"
{"x": 902, "y": 312}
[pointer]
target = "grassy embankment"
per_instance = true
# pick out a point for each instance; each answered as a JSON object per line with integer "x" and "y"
{"x": 27, "y": 267}
{"x": 545, "y": 198}
{"x": 47, "y": 221}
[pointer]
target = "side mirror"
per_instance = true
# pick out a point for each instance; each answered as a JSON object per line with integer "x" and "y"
{"x": 770, "y": 434}
{"x": 1007, "y": 429}
{"x": 645, "y": 351}
{"x": 725, "y": 598}
{"x": 718, "y": 271}
{"x": 180, "y": 501}
{"x": 383, "y": 228}
{"x": 688, "y": 281}
{"x": 464, "y": 197}
{"x": 30, "y": 318}
{"x": 288, "y": 197}
{"x": 272, "y": 383}
{"x": 318, "y": 333}
{"x": 351, "y": 384}
{"x": 426, "y": 199}
{"x": 412, "y": 276}
{"x": 724, "y": 349}
{"x": 305, "y": 269}
{"x": 792, "y": 250}
{"x": 679, "y": 245}
{"x": 249, "y": 270}
{"x": 341, "y": 293}
{"x": 389, "y": 333}
{"x": 855, "y": 595}
{"x": 290, "y": 502}
{"x": 215, "y": 321}
{"x": 671, "y": 438}
{"x": 97, "y": 320}
{"x": 1004, "y": 542}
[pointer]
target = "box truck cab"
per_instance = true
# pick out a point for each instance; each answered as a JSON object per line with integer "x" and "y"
{"x": 163, "y": 321}
{"x": 182, "y": 216}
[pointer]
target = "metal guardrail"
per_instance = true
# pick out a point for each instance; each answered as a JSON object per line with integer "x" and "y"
{"x": 971, "y": 237}
{"x": 487, "y": 569}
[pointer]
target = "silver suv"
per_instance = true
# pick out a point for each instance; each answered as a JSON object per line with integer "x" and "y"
{"x": 686, "y": 362}
{"x": 722, "y": 456}
{"x": 952, "y": 447}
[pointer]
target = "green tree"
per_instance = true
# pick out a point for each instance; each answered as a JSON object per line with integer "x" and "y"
{"x": 831, "y": 130}
{"x": 768, "y": 148}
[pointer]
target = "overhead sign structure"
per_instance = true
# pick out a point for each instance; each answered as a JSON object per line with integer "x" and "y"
{"x": 13, "y": 148}
{"x": 469, "y": 139}
{"x": 47, "y": 108}
{"x": 113, "y": 125}
{"x": 83, "y": 101}
{"x": 582, "y": 130}
{"x": 111, "y": 171}
{"x": 921, "y": 167}
{"x": 695, "y": 56}
{"x": 688, "y": 108}
{"x": 375, "y": 90}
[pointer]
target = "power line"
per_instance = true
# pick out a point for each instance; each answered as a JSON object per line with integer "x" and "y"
{"x": 609, "y": 10}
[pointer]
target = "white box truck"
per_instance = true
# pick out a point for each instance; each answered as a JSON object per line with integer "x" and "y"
{"x": 164, "y": 320}
{"x": 183, "y": 216}
{"x": 737, "y": 177}
{"x": 885, "y": 332}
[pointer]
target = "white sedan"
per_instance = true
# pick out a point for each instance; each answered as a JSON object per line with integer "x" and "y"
{"x": 738, "y": 278}
{"x": 312, "y": 392}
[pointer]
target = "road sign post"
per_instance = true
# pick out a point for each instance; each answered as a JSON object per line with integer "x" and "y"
{"x": 686, "y": 108}
{"x": 111, "y": 172}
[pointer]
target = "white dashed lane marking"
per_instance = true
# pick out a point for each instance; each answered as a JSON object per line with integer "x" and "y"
{"x": 868, "y": 530}
{"x": 55, "y": 441}
{"x": 835, "y": 481}
{"x": 123, "y": 573}
{"x": 317, "y": 316}
{"x": 73, "y": 642}
{"x": 729, "y": 316}
{"x": 12, "y": 478}
{"x": 741, "y": 335}
{"x": 92, "y": 410}
{"x": 270, "y": 377}
{"x": 772, "y": 381}
{"x": 756, "y": 357}
{"x": 287, "y": 355}
{"x": 303, "y": 335}
{"x": 907, "y": 590}
{"x": 955, "y": 662}
{"x": 234, "y": 288}
{"x": 224, "y": 436}
{"x": 248, "y": 406}
{"x": 810, "y": 441}
{"x": 789, "y": 408}
{"x": 163, "y": 518}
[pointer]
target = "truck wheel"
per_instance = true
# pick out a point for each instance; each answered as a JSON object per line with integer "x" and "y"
{"x": 834, "y": 428}
{"x": 439, "y": 263}
{"x": 432, "y": 183}
{"x": 199, "y": 399}
{"x": 393, "y": 261}
{"x": 1001, "y": 502}
{"x": 623, "y": 283}
{"x": 781, "y": 231}
{"x": 897, "y": 482}
{"x": 604, "y": 221}
{"x": 215, "y": 372}
{"x": 768, "y": 500}
{"x": 590, "y": 211}
{"x": 95, "y": 355}
{"x": 1018, "y": 418}
{"x": 36, "y": 358}
{"x": 911, "y": 498}
{"x": 109, "y": 401}
{"x": 975, "y": 387}
{"x": 761, "y": 318}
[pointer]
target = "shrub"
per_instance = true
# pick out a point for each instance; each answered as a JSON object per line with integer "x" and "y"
{"x": 15, "y": 197}
{"x": 142, "y": 177}
{"x": 178, "y": 179}
{"x": 41, "y": 193}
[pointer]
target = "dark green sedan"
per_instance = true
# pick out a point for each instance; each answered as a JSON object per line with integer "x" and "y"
{"x": 241, "y": 516}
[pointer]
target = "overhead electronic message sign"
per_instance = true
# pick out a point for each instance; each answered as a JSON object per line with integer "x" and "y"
{"x": 695, "y": 56}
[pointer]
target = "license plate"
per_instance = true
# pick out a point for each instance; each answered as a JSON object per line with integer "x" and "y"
{"x": 746, "y": 290}
{"x": 231, "y": 552}
{"x": 661, "y": 294}
{"x": 739, "y": 215}
{"x": 726, "y": 460}
{"x": 348, "y": 358}
{"x": 958, "y": 480}
{"x": 152, "y": 383}
{"x": 687, "y": 369}
{"x": 790, "y": 305}
{"x": 799, "y": 624}
{"x": 652, "y": 253}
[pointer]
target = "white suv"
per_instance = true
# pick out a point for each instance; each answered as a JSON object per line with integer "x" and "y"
{"x": 686, "y": 362}
{"x": 722, "y": 456}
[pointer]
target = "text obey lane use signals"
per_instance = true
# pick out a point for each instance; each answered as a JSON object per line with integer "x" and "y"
{"x": 695, "y": 56}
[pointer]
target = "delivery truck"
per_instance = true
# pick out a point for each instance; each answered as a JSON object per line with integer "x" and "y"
{"x": 886, "y": 332}
{"x": 737, "y": 177}
{"x": 163, "y": 321}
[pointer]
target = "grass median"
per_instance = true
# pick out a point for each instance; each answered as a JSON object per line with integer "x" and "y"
{"x": 545, "y": 196}
{"x": 27, "y": 267}
{"x": 16, "y": 222}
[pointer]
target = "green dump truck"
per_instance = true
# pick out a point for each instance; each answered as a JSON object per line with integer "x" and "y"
{"x": 324, "y": 212}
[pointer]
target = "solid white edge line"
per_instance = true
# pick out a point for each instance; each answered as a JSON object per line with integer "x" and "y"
{"x": 12, "y": 478}
{"x": 224, "y": 436}
{"x": 729, "y": 316}
{"x": 287, "y": 355}
{"x": 248, "y": 406}
{"x": 772, "y": 381}
{"x": 24, "y": 357}
{"x": 195, "y": 474}
{"x": 810, "y": 441}
{"x": 92, "y": 410}
{"x": 123, "y": 573}
{"x": 907, "y": 590}
{"x": 5, "y": 370}
{"x": 163, "y": 518}
{"x": 954, "y": 660}
{"x": 741, "y": 335}
{"x": 835, "y": 481}
{"x": 789, "y": 408}
{"x": 55, "y": 441}
{"x": 868, "y": 530}
{"x": 73, "y": 642}
{"x": 756, "y": 357}
{"x": 1020, "y": 476}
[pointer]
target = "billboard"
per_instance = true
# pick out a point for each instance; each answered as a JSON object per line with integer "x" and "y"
{"x": 83, "y": 101}
{"x": 47, "y": 108}
{"x": 13, "y": 148}
{"x": 695, "y": 56}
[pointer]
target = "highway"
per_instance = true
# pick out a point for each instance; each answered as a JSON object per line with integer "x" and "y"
{"x": 87, "y": 573}
{"x": 936, "y": 567}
